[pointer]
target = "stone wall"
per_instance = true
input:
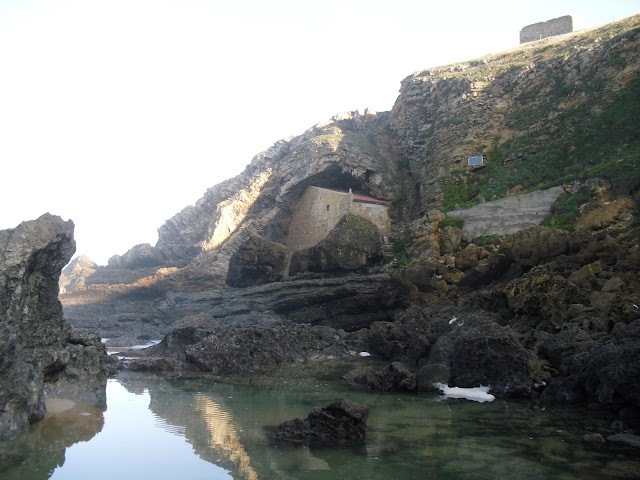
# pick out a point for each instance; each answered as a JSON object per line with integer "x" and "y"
{"x": 378, "y": 214}
{"x": 320, "y": 209}
{"x": 317, "y": 212}
{"x": 540, "y": 30}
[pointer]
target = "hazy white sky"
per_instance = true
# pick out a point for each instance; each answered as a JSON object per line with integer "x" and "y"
{"x": 119, "y": 113}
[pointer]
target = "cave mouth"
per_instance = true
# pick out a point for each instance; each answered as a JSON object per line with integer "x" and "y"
{"x": 331, "y": 178}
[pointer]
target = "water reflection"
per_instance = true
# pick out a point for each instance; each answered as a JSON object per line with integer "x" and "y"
{"x": 41, "y": 450}
{"x": 156, "y": 428}
{"x": 223, "y": 436}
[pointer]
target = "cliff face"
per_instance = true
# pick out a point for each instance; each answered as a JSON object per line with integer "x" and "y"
{"x": 473, "y": 287}
{"x": 562, "y": 112}
{"x": 40, "y": 354}
{"x": 542, "y": 114}
{"x": 353, "y": 150}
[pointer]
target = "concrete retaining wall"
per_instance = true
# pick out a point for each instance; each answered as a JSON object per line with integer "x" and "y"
{"x": 507, "y": 215}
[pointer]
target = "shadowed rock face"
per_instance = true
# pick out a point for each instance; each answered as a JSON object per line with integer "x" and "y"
{"x": 343, "y": 420}
{"x": 40, "y": 354}
{"x": 257, "y": 261}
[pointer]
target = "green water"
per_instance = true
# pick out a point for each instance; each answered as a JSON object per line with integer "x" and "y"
{"x": 213, "y": 429}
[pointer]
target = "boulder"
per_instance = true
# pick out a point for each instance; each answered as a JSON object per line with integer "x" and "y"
{"x": 561, "y": 348}
{"x": 469, "y": 256}
{"x": 257, "y": 261}
{"x": 535, "y": 245}
{"x": 341, "y": 421}
{"x": 404, "y": 341}
{"x": 393, "y": 378}
{"x": 40, "y": 354}
{"x": 610, "y": 373}
{"x": 354, "y": 243}
{"x": 486, "y": 271}
{"x": 594, "y": 440}
{"x": 491, "y": 355}
{"x": 421, "y": 275}
{"x": 364, "y": 376}
{"x": 544, "y": 297}
{"x": 625, "y": 439}
{"x": 430, "y": 374}
{"x": 618, "y": 213}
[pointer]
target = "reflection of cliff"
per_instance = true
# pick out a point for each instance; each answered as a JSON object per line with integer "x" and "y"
{"x": 40, "y": 451}
{"x": 202, "y": 420}
{"x": 224, "y": 437}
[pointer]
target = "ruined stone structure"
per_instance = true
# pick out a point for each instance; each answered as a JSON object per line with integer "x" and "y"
{"x": 320, "y": 209}
{"x": 540, "y": 30}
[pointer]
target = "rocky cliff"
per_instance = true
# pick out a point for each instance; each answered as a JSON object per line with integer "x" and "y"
{"x": 41, "y": 355}
{"x": 544, "y": 114}
{"x": 471, "y": 284}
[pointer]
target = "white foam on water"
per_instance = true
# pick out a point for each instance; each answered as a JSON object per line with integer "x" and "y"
{"x": 477, "y": 394}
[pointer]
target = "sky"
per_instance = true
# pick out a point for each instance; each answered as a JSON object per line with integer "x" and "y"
{"x": 117, "y": 114}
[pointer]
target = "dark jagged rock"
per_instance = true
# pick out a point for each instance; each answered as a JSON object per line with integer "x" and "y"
{"x": 544, "y": 297}
{"x": 428, "y": 375}
{"x": 470, "y": 256}
{"x": 594, "y": 440}
{"x": 625, "y": 439}
{"x": 421, "y": 275}
{"x": 491, "y": 355}
{"x": 393, "y": 378}
{"x": 347, "y": 303}
{"x": 611, "y": 369}
{"x": 535, "y": 245}
{"x": 240, "y": 348}
{"x": 41, "y": 355}
{"x": 404, "y": 340}
{"x": 341, "y": 421}
{"x": 257, "y": 261}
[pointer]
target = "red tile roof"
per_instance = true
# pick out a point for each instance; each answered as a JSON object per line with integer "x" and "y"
{"x": 364, "y": 199}
{"x": 357, "y": 197}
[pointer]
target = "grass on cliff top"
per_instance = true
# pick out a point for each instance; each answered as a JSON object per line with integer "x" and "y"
{"x": 598, "y": 137}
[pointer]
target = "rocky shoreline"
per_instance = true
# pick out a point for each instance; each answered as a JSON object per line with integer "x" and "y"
{"x": 41, "y": 355}
{"x": 563, "y": 331}
{"x": 544, "y": 305}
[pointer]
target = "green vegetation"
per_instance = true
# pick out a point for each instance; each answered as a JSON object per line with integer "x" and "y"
{"x": 400, "y": 254}
{"x": 356, "y": 227}
{"x": 488, "y": 240}
{"x": 451, "y": 222}
{"x": 570, "y": 119}
{"x": 595, "y": 137}
{"x": 566, "y": 209}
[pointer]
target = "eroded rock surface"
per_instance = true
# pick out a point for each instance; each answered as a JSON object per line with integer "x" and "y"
{"x": 257, "y": 261}
{"x": 41, "y": 355}
{"x": 341, "y": 421}
{"x": 208, "y": 347}
{"x": 395, "y": 377}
